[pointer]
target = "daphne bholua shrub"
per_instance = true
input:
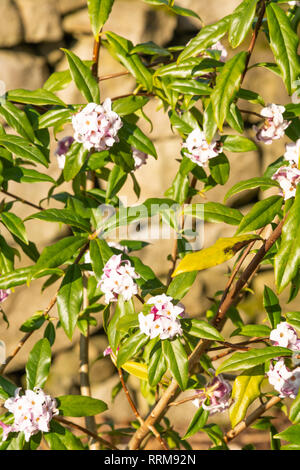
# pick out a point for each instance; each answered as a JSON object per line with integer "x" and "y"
{"x": 99, "y": 273}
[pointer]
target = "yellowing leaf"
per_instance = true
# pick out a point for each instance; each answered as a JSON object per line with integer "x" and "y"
{"x": 246, "y": 389}
{"x": 137, "y": 369}
{"x": 221, "y": 251}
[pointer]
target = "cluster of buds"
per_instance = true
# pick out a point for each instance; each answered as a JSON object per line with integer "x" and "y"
{"x": 163, "y": 318}
{"x": 274, "y": 125}
{"x": 288, "y": 177}
{"x": 283, "y": 379}
{"x": 62, "y": 149}
{"x": 140, "y": 158}
{"x": 215, "y": 397}
{"x": 96, "y": 126}
{"x": 32, "y": 412}
{"x": 118, "y": 279}
{"x": 4, "y": 293}
{"x": 199, "y": 150}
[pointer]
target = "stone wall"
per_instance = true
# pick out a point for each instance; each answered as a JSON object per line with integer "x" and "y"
{"x": 31, "y": 35}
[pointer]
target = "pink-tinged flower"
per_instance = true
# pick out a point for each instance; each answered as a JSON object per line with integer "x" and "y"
{"x": 6, "y": 429}
{"x": 284, "y": 380}
{"x": 4, "y": 294}
{"x": 274, "y": 125}
{"x": 198, "y": 149}
{"x": 96, "y": 126}
{"x": 107, "y": 352}
{"x": 218, "y": 46}
{"x": 217, "y": 393}
{"x": 292, "y": 153}
{"x": 118, "y": 278}
{"x": 32, "y": 412}
{"x": 140, "y": 158}
{"x": 284, "y": 335}
{"x": 288, "y": 178}
{"x": 163, "y": 318}
{"x": 118, "y": 246}
{"x": 62, "y": 149}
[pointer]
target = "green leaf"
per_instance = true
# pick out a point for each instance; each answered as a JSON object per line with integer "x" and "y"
{"x": 58, "y": 81}
{"x": 198, "y": 422}
{"x": 7, "y": 389}
{"x": 83, "y": 77}
{"x": 99, "y": 11}
{"x": 201, "y": 329}
{"x": 291, "y": 434}
{"x": 219, "y": 168}
{"x": 150, "y": 48}
{"x": 294, "y": 414}
{"x": 69, "y": 299}
{"x": 38, "y": 364}
{"x": 18, "y": 120}
{"x": 65, "y": 216}
{"x": 131, "y": 347}
{"x": 253, "y": 330}
{"x": 58, "y": 253}
{"x": 78, "y": 405}
{"x": 116, "y": 180}
{"x": 122, "y": 49}
{"x": 15, "y": 225}
{"x": 214, "y": 212}
{"x": 100, "y": 253}
{"x": 190, "y": 87}
{"x": 39, "y": 97}
{"x": 114, "y": 333}
{"x": 207, "y": 36}
{"x": 227, "y": 86}
{"x": 237, "y": 143}
{"x": 287, "y": 260}
{"x": 181, "y": 285}
{"x": 129, "y": 104}
{"x": 261, "y": 214}
{"x": 255, "y": 357}
{"x": 60, "y": 438}
{"x": 246, "y": 389}
{"x": 33, "y": 323}
{"x": 272, "y": 307}
{"x": 177, "y": 360}
{"x": 157, "y": 365}
{"x": 135, "y": 137}
{"x": 223, "y": 250}
{"x": 284, "y": 44}
{"x": 259, "y": 182}
{"x": 23, "y": 148}
{"x": 54, "y": 117}
{"x": 294, "y": 319}
{"x": 26, "y": 175}
{"x": 75, "y": 159}
{"x": 241, "y": 21}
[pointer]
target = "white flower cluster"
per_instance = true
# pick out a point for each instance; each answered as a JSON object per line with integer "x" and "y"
{"x": 118, "y": 279}
{"x": 288, "y": 177}
{"x": 294, "y": 3}
{"x": 284, "y": 380}
{"x": 61, "y": 150}
{"x": 163, "y": 318}
{"x": 198, "y": 149}
{"x": 140, "y": 158}
{"x": 32, "y": 412}
{"x": 274, "y": 125}
{"x": 96, "y": 126}
{"x": 217, "y": 393}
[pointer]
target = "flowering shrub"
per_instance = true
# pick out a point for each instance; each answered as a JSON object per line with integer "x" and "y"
{"x": 150, "y": 334}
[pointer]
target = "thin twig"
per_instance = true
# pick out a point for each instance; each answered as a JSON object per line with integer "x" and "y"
{"x": 21, "y": 199}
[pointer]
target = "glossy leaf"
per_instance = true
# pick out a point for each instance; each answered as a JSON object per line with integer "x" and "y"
{"x": 23, "y": 148}
{"x": 177, "y": 360}
{"x": 198, "y": 422}
{"x": 99, "y": 11}
{"x": 39, "y": 97}
{"x": 131, "y": 347}
{"x": 157, "y": 365}
{"x": 258, "y": 182}
{"x": 69, "y": 299}
{"x": 65, "y": 216}
{"x": 272, "y": 307}
{"x": 75, "y": 159}
{"x": 261, "y": 214}
{"x": 241, "y": 21}
{"x": 18, "y": 120}
{"x": 201, "y": 329}
{"x": 78, "y": 405}
{"x": 38, "y": 364}
{"x": 214, "y": 212}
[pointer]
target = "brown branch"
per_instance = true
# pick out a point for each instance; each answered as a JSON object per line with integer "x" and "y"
{"x": 95, "y": 436}
{"x": 24, "y": 201}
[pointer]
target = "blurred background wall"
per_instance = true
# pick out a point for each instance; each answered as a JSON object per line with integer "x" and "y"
{"x": 31, "y": 35}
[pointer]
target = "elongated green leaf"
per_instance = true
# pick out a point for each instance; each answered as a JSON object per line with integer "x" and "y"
{"x": 241, "y": 21}
{"x": 129, "y": 104}
{"x": 284, "y": 44}
{"x": 69, "y": 299}
{"x": 78, "y": 405}
{"x": 130, "y": 347}
{"x": 75, "y": 159}
{"x": 181, "y": 285}
{"x": 150, "y": 48}
{"x": 33, "y": 323}
{"x": 26, "y": 175}
{"x": 58, "y": 81}
{"x": 219, "y": 168}
{"x": 287, "y": 260}
{"x": 99, "y": 11}
{"x": 201, "y": 329}
{"x": 259, "y": 182}
{"x": 255, "y": 357}
{"x": 83, "y": 77}
{"x": 190, "y": 87}
{"x": 39, "y": 97}
{"x": 157, "y": 365}
{"x": 237, "y": 143}
{"x": 291, "y": 434}
{"x": 18, "y": 120}
{"x": 7, "y": 389}
{"x": 177, "y": 360}
{"x": 116, "y": 180}
{"x": 114, "y": 333}
{"x": 246, "y": 389}
{"x": 23, "y": 148}
{"x": 221, "y": 251}
{"x": 54, "y": 117}
{"x": 214, "y": 212}
{"x": 207, "y": 36}
{"x": 135, "y": 137}
{"x": 272, "y": 307}
{"x": 60, "y": 438}
{"x": 227, "y": 86}
{"x": 261, "y": 214}
{"x": 253, "y": 330}
{"x": 38, "y": 365}
{"x": 65, "y": 216}
{"x": 100, "y": 253}
{"x": 122, "y": 49}
{"x": 15, "y": 225}
{"x": 197, "y": 423}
